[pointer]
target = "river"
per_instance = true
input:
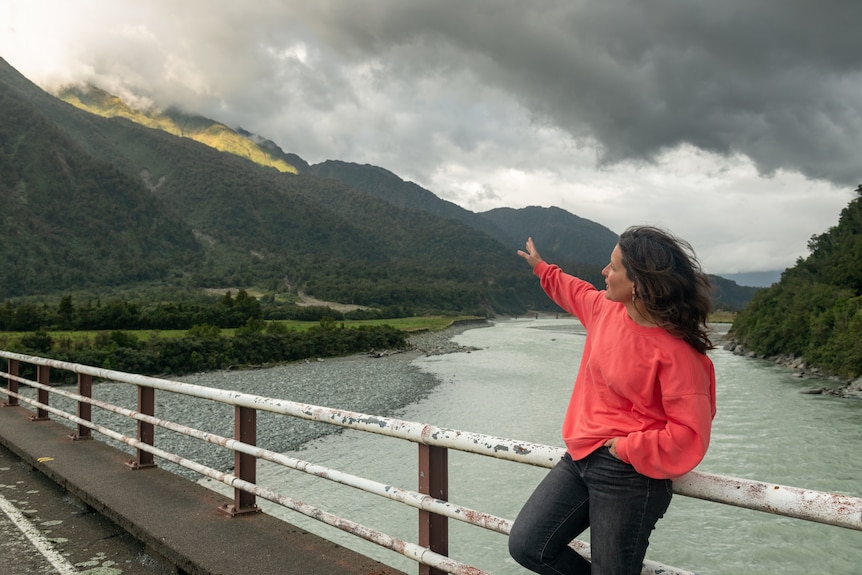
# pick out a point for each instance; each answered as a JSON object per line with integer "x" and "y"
{"x": 516, "y": 384}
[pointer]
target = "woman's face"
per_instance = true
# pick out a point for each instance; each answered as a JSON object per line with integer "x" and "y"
{"x": 619, "y": 287}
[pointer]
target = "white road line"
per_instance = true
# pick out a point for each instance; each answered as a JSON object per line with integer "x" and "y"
{"x": 38, "y": 540}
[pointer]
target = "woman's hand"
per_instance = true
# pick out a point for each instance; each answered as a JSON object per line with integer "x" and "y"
{"x": 531, "y": 255}
{"x": 611, "y": 444}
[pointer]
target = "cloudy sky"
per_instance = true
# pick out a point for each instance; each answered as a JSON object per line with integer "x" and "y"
{"x": 735, "y": 124}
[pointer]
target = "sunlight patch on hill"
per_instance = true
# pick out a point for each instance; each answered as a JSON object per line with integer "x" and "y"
{"x": 197, "y": 128}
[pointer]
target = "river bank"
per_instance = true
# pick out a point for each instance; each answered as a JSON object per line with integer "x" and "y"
{"x": 848, "y": 389}
{"x": 518, "y": 385}
{"x": 378, "y": 382}
{"x": 381, "y": 383}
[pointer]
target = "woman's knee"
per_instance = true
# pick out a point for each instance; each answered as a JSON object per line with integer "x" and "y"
{"x": 520, "y": 548}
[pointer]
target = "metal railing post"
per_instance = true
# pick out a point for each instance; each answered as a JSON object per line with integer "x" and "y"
{"x": 11, "y": 384}
{"x": 433, "y": 481}
{"x": 43, "y": 376}
{"x": 85, "y": 410}
{"x": 146, "y": 431}
{"x": 836, "y": 509}
{"x": 245, "y": 464}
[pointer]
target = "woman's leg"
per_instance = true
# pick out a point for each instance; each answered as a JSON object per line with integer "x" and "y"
{"x": 556, "y": 512}
{"x": 624, "y": 508}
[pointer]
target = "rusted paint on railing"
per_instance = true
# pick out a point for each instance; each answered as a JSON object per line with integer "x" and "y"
{"x": 834, "y": 509}
{"x": 418, "y": 553}
{"x": 500, "y": 448}
{"x": 43, "y": 376}
{"x": 411, "y": 550}
{"x": 433, "y": 481}
{"x": 411, "y": 498}
{"x": 85, "y": 389}
{"x": 146, "y": 431}
{"x": 819, "y": 506}
{"x": 245, "y": 464}
{"x": 843, "y": 511}
{"x": 12, "y": 382}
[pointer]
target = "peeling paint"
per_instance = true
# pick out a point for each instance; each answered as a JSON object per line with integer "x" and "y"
{"x": 834, "y": 509}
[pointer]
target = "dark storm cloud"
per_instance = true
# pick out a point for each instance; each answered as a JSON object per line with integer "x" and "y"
{"x": 737, "y": 124}
{"x": 778, "y": 81}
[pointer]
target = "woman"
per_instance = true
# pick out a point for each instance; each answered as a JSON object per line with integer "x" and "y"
{"x": 640, "y": 413}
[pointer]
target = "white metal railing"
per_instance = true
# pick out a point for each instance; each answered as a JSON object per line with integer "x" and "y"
{"x": 829, "y": 508}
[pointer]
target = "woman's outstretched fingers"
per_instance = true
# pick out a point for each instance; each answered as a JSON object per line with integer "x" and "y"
{"x": 531, "y": 254}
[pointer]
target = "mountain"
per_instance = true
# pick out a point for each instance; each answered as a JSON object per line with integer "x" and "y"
{"x": 195, "y": 204}
{"x": 173, "y": 121}
{"x": 216, "y": 219}
{"x": 562, "y": 236}
{"x": 755, "y": 279}
{"x": 578, "y": 245}
{"x": 71, "y": 219}
{"x": 729, "y": 295}
{"x": 385, "y": 185}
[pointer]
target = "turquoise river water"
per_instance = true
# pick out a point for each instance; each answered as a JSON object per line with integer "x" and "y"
{"x": 517, "y": 384}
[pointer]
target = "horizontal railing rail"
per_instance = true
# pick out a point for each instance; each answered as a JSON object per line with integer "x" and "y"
{"x": 434, "y": 442}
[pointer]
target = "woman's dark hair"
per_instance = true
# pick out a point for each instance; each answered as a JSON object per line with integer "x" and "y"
{"x": 669, "y": 281}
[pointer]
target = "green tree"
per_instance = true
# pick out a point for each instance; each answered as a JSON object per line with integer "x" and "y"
{"x": 66, "y": 312}
{"x": 814, "y": 311}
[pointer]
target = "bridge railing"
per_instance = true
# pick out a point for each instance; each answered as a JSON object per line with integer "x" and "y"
{"x": 434, "y": 443}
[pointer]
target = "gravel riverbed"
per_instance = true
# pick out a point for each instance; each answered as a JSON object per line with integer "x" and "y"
{"x": 379, "y": 383}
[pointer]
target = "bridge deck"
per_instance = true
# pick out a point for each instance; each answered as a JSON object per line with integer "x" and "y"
{"x": 176, "y": 518}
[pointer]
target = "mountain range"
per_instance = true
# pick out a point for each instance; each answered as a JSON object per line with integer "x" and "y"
{"x": 99, "y": 198}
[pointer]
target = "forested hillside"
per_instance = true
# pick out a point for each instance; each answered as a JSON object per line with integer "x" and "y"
{"x": 388, "y": 187}
{"x": 198, "y": 128}
{"x": 70, "y": 219}
{"x": 563, "y": 237}
{"x": 181, "y": 213}
{"x": 147, "y": 204}
{"x": 578, "y": 245}
{"x": 815, "y": 311}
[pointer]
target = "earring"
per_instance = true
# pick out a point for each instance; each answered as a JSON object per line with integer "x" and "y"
{"x": 634, "y": 295}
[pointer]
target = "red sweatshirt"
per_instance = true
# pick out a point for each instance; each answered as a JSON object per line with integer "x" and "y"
{"x": 650, "y": 389}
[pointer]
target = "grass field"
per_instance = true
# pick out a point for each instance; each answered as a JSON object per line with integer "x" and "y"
{"x": 431, "y": 323}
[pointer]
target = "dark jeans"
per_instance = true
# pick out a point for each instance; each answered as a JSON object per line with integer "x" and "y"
{"x": 619, "y": 505}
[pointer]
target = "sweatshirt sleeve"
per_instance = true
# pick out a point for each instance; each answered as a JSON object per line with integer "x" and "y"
{"x": 688, "y": 400}
{"x": 572, "y": 294}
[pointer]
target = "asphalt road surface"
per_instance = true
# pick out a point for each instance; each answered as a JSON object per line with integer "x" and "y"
{"x": 44, "y": 531}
